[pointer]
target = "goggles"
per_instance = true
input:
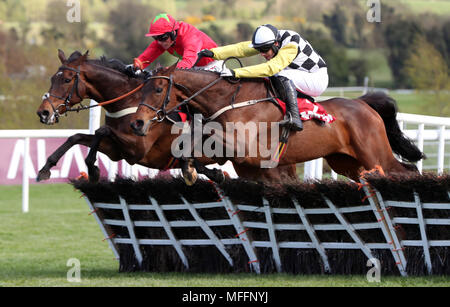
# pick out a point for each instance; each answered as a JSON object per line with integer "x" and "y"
{"x": 162, "y": 37}
{"x": 263, "y": 49}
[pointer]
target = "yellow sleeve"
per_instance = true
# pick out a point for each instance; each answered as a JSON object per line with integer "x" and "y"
{"x": 285, "y": 56}
{"x": 239, "y": 50}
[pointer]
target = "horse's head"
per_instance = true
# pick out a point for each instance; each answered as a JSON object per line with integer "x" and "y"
{"x": 66, "y": 90}
{"x": 158, "y": 98}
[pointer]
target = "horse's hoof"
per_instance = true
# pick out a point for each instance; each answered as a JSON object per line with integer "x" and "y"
{"x": 43, "y": 175}
{"x": 190, "y": 178}
{"x": 221, "y": 177}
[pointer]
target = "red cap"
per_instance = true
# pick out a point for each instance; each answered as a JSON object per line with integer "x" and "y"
{"x": 162, "y": 24}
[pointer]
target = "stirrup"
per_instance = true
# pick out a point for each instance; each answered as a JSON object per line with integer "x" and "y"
{"x": 289, "y": 123}
{"x": 286, "y": 121}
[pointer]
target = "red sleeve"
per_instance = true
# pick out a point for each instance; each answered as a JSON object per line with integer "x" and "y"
{"x": 153, "y": 51}
{"x": 191, "y": 47}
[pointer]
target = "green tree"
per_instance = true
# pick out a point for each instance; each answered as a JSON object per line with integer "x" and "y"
{"x": 337, "y": 23}
{"x": 127, "y": 25}
{"x": 67, "y": 34}
{"x": 218, "y": 35}
{"x": 438, "y": 37}
{"x": 400, "y": 36}
{"x": 359, "y": 68}
{"x": 428, "y": 70}
{"x": 334, "y": 55}
{"x": 244, "y": 31}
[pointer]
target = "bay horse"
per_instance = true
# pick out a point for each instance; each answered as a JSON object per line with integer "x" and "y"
{"x": 106, "y": 80}
{"x": 364, "y": 135}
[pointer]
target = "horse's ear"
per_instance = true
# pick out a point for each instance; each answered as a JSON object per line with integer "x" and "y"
{"x": 85, "y": 56}
{"x": 62, "y": 56}
{"x": 172, "y": 68}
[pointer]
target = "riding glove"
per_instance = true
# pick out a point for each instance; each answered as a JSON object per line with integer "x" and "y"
{"x": 205, "y": 53}
{"x": 226, "y": 72}
{"x": 132, "y": 70}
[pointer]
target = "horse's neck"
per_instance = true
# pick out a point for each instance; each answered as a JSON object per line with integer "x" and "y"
{"x": 106, "y": 84}
{"x": 196, "y": 81}
{"x": 221, "y": 94}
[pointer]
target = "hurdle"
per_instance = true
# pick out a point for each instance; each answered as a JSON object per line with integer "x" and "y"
{"x": 324, "y": 227}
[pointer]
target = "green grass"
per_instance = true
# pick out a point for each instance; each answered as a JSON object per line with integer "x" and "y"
{"x": 379, "y": 72}
{"x": 440, "y": 7}
{"x": 414, "y": 103}
{"x": 35, "y": 247}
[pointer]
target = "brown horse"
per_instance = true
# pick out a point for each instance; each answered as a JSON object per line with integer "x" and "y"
{"x": 364, "y": 135}
{"x": 79, "y": 78}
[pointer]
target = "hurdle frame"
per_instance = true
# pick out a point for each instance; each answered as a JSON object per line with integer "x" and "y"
{"x": 379, "y": 206}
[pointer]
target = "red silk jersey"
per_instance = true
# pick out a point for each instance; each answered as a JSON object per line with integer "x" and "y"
{"x": 188, "y": 43}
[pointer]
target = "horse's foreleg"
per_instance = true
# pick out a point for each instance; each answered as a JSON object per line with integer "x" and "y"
{"x": 93, "y": 170}
{"x": 52, "y": 160}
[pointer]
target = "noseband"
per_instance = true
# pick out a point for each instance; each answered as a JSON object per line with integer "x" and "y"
{"x": 161, "y": 113}
{"x": 73, "y": 90}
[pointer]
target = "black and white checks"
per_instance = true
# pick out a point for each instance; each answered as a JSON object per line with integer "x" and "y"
{"x": 307, "y": 58}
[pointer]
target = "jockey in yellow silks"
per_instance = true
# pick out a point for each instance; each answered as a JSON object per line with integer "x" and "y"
{"x": 291, "y": 60}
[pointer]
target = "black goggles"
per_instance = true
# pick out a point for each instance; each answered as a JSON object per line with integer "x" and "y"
{"x": 263, "y": 49}
{"x": 162, "y": 37}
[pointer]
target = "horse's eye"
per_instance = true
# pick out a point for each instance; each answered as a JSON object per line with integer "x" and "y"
{"x": 67, "y": 80}
{"x": 159, "y": 90}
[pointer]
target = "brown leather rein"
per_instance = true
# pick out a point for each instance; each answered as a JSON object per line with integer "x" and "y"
{"x": 81, "y": 106}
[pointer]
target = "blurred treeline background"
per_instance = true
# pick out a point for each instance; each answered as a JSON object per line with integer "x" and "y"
{"x": 408, "y": 49}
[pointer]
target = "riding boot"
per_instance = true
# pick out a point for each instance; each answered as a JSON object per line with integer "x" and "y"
{"x": 290, "y": 98}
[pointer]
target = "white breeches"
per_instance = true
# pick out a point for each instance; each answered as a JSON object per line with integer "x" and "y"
{"x": 312, "y": 84}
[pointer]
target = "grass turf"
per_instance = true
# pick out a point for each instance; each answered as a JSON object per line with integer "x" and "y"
{"x": 35, "y": 248}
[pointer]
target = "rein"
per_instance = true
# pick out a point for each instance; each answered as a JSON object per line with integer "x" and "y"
{"x": 161, "y": 113}
{"x": 75, "y": 89}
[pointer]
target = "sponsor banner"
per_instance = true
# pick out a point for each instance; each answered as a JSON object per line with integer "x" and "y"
{"x": 70, "y": 165}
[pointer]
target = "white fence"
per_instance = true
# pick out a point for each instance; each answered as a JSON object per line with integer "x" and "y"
{"x": 425, "y": 129}
{"x": 94, "y": 124}
{"x": 429, "y": 128}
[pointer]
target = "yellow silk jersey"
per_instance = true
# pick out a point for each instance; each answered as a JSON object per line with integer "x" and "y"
{"x": 295, "y": 53}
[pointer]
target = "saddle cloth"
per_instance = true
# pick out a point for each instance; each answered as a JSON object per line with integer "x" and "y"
{"x": 309, "y": 110}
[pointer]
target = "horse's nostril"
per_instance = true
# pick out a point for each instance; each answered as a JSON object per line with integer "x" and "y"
{"x": 45, "y": 113}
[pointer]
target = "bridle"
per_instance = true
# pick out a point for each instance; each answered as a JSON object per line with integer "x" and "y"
{"x": 72, "y": 91}
{"x": 161, "y": 113}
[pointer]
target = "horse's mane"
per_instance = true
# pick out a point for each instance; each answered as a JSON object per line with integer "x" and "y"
{"x": 74, "y": 56}
{"x": 114, "y": 64}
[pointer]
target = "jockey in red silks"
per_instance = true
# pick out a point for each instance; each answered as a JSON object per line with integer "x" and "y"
{"x": 179, "y": 39}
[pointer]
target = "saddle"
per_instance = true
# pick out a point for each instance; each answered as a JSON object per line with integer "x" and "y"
{"x": 276, "y": 93}
{"x": 308, "y": 108}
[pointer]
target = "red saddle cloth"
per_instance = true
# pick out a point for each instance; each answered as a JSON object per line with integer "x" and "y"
{"x": 309, "y": 110}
